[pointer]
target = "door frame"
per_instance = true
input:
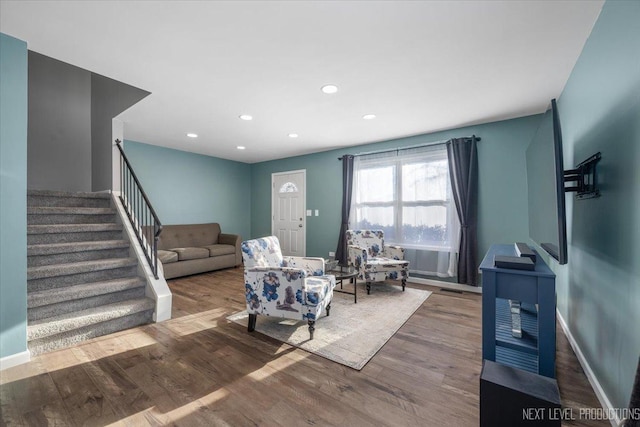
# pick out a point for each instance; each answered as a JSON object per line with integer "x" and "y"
{"x": 304, "y": 205}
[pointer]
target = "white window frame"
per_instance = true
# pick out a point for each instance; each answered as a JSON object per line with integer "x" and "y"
{"x": 397, "y": 160}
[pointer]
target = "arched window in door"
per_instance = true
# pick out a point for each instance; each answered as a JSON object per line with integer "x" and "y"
{"x": 288, "y": 187}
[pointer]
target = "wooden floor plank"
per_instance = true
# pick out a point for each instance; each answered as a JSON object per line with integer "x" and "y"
{"x": 201, "y": 369}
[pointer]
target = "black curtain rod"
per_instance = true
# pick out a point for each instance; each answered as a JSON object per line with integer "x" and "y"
{"x": 413, "y": 146}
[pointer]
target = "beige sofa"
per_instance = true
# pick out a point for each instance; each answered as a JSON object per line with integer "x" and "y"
{"x": 197, "y": 248}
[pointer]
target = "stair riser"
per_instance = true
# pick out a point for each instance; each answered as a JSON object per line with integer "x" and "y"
{"x": 85, "y": 202}
{"x": 44, "y": 219}
{"x": 76, "y": 336}
{"x": 43, "y": 312}
{"x": 40, "y": 260}
{"x": 76, "y": 279}
{"x": 44, "y": 238}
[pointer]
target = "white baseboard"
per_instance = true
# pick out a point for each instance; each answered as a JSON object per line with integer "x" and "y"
{"x": 595, "y": 384}
{"x": 15, "y": 360}
{"x": 445, "y": 285}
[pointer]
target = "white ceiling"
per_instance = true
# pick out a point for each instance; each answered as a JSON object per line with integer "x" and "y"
{"x": 419, "y": 66}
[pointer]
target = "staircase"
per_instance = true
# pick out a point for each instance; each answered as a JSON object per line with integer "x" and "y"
{"x": 82, "y": 281}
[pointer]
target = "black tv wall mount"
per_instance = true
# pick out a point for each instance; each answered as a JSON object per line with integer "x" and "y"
{"x": 584, "y": 178}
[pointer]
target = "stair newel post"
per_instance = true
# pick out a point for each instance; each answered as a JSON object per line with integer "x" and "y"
{"x": 158, "y": 227}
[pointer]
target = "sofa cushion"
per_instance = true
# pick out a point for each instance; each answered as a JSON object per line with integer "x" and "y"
{"x": 188, "y": 236}
{"x": 167, "y": 257}
{"x": 217, "y": 250}
{"x": 191, "y": 253}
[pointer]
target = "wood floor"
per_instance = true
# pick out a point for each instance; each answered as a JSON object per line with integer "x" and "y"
{"x": 199, "y": 369}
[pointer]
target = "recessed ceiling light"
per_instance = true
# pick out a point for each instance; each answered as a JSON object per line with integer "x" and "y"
{"x": 369, "y": 116}
{"x": 293, "y": 135}
{"x": 192, "y": 135}
{"x": 329, "y": 89}
{"x": 246, "y": 117}
{"x": 241, "y": 147}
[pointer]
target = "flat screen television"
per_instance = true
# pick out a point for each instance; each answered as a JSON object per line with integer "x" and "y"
{"x": 545, "y": 182}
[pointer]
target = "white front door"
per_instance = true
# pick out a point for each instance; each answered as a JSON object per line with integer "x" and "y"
{"x": 288, "y": 211}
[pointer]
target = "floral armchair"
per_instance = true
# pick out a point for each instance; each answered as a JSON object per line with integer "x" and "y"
{"x": 284, "y": 286}
{"x": 374, "y": 261}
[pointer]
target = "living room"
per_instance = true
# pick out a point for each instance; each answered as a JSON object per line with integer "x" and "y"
{"x": 597, "y": 290}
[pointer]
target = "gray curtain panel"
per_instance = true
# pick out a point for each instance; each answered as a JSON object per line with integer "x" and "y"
{"x": 347, "y": 189}
{"x": 463, "y": 171}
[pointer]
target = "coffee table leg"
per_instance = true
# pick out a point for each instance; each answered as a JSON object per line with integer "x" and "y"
{"x": 355, "y": 290}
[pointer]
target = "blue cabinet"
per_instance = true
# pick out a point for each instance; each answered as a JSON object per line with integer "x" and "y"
{"x": 536, "y": 350}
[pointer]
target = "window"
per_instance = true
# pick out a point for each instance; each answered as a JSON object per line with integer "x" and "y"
{"x": 288, "y": 187}
{"x": 408, "y": 195}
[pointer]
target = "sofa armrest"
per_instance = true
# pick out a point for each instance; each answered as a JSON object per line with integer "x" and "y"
{"x": 235, "y": 240}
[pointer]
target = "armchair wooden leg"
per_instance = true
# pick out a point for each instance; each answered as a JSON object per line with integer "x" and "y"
{"x": 404, "y": 283}
{"x": 312, "y": 328}
{"x": 252, "y": 322}
{"x": 368, "y": 288}
{"x": 328, "y": 308}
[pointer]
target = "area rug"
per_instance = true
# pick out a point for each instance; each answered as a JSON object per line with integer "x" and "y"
{"x": 353, "y": 333}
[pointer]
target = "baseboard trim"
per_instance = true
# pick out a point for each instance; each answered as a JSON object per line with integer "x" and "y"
{"x": 446, "y": 285}
{"x": 15, "y": 360}
{"x": 595, "y": 384}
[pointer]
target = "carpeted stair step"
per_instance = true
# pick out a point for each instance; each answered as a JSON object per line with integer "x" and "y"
{"x": 53, "y": 302}
{"x": 45, "y": 198}
{"x": 37, "y": 215}
{"x": 82, "y": 281}
{"x": 64, "y": 253}
{"x": 69, "y": 329}
{"x": 79, "y": 319}
{"x": 76, "y": 273}
{"x": 65, "y": 233}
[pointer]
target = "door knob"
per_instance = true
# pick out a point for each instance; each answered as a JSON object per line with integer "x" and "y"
{"x": 300, "y": 225}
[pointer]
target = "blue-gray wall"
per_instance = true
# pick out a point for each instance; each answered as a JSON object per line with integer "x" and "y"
{"x": 13, "y": 196}
{"x": 188, "y": 188}
{"x": 599, "y": 289}
{"x": 502, "y": 216}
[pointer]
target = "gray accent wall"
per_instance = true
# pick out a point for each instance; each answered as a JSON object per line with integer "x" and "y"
{"x": 59, "y": 136}
{"x": 599, "y": 289}
{"x": 70, "y": 125}
{"x": 108, "y": 99}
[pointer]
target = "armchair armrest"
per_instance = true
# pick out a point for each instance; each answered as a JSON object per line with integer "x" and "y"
{"x": 314, "y": 266}
{"x": 267, "y": 287}
{"x": 356, "y": 255}
{"x": 394, "y": 252}
{"x": 286, "y": 291}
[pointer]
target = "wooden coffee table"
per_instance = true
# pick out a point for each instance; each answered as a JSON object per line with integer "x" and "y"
{"x": 345, "y": 273}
